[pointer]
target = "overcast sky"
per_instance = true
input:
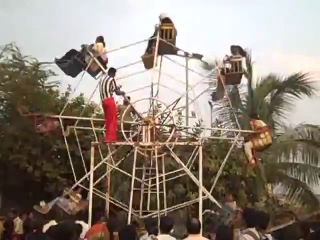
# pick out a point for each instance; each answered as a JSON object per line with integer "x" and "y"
{"x": 283, "y": 35}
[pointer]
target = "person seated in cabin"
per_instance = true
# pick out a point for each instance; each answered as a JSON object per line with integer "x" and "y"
{"x": 164, "y": 19}
{"x": 233, "y": 63}
{"x": 98, "y": 49}
{"x": 71, "y": 202}
{"x": 257, "y": 141}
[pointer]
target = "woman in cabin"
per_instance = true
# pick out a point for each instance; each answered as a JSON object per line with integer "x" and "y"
{"x": 164, "y": 19}
{"x": 99, "y": 51}
{"x": 257, "y": 141}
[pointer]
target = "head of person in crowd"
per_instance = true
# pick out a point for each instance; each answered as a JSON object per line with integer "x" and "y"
{"x": 193, "y": 226}
{"x": 166, "y": 225}
{"x": 224, "y": 232}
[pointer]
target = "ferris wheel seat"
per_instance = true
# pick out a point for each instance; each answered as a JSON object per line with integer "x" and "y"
{"x": 95, "y": 65}
{"x": 148, "y": 60}
{"x": 74, "y": 62}
{"x": 233, "y": 79}
{"x": 70, "y": 67}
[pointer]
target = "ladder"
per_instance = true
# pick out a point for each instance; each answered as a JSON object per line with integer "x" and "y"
{"x": 150, "y": 189}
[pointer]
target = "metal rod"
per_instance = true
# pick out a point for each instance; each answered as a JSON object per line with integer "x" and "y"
{"x": 200, "y": 183}
{"x": 187, "y": 92}
{"x": 92, "y": 153}
{"x": 132, "y": 184}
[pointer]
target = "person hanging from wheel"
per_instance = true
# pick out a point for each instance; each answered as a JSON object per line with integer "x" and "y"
{"x": 70, "y": 202}
{"x": 108, "y": 87}
{"x": 258, "y": 141}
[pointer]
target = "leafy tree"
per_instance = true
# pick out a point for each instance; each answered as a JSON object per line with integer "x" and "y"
{"x": 29, "y": 161}
{"x": 293, "y": 159}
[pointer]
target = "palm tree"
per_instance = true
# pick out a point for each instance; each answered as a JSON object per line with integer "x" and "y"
{"x": 293, "y": 159}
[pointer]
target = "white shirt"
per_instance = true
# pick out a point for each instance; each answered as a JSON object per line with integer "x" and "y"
{"x": 195, "y": 237}
{"x": 85, "y": 228}
{"x": 165, "y": 237}
{"x": 48, "y": 225}
{"x": 245, "y": 236}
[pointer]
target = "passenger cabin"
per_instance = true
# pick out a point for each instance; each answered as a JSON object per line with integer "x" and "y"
{"x": 74, "y": 62}
{"x": 167, "y": 44}
{"x": 232, "y": 66}
{"x": 231, "y": 72}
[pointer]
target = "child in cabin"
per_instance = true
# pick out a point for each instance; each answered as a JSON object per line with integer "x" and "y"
{"x": 257, "y": 141}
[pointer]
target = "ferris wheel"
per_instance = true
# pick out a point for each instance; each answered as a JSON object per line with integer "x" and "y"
{"x": 154, "y": 129}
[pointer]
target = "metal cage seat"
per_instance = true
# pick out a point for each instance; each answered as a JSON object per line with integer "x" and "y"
{"x": 74, "y": 62}
{"x": 167, "y": 44}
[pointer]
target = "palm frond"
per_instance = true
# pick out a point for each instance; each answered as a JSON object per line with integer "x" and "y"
{"x": 299, "y": 144}
{"x": 291, "y": 186}
{"x": 294, "y": 87}
{"x": 306, "y": 173}
{"x": 249, "y": 67}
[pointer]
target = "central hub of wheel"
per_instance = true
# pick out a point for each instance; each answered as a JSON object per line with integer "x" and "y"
{"x": 149, "y": 121}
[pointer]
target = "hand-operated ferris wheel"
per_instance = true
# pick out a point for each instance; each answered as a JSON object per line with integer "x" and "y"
{"x": 154, "y": 146}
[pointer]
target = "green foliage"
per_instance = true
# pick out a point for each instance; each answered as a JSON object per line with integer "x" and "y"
{"x": 39, "y": 160}
{"x": 293, "y": 159}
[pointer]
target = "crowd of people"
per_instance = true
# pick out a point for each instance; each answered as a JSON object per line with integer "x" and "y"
{"x": 248, "y": 224}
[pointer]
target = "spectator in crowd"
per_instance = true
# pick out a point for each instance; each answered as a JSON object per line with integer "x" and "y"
{"x": 17, "y": 233}
{"x": 67, "y": 230}
{"x": 35, "y": 231}
{"x": 224, "y": 232}
{"x": 250, "y": 221}
{"x": 8, "y": 227}
{"x": 99, "y": 230}
{"x": 128, "y": 233}
{"x": 27, "y": 223}
{"x": 151, "y": 226}
{"x": 194, "y": 229}
{"x": 263, "y": 220}
{"x": 304, "y": 230}
{"x": 166, "y": 226}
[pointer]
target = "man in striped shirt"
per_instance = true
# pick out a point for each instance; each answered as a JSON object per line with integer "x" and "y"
{"x": 107, "y": 88}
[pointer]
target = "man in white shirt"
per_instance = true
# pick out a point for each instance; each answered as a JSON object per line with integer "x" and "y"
{"x": 250, "y": 220}
{"x": 194, "y": 229}
{"x": 166, "y": 226}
